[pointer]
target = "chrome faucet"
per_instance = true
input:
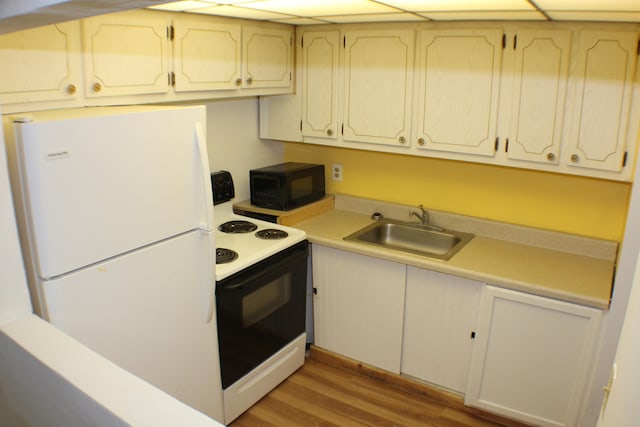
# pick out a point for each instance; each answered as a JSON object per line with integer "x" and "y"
{"x": 423, "y": 216}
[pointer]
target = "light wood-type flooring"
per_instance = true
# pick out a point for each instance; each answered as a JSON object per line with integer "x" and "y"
{"x": 332, "y": 391}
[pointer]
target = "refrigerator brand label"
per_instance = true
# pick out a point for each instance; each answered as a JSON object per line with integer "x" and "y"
{"x": 60, "y": 154}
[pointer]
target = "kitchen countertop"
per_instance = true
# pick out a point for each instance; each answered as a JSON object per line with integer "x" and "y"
{"x": 560, "y": 274}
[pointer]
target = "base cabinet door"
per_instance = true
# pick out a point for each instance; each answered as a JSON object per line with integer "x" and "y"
{"x": 439, "y": 315}
{"x": 358, "y": 306}
{"x": 531, "y": 357}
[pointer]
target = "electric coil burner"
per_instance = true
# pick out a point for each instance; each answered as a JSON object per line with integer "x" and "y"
{"x": 237, "y": 226}
{"x": 224, "y": 255}
{"x": 271, "y": 234}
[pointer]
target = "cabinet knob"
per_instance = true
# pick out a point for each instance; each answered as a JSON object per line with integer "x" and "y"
{"x": 238, "y": 81}
{"x": 329, "y": 132}
{"x": 402, "y": 140}
{"x": 71, "y": 89}
{"x": 574, "y": 158}
{"x": 97, "y": 87}
{"x": 249, "y": 80}
{"x": 551, "y": 157}
{"x": 420, "y": 141}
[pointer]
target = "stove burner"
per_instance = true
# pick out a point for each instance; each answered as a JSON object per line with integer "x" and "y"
{"x": 271, "y": 234}
{"x": 224, "y": 255}
{"x": 238, "y": 226}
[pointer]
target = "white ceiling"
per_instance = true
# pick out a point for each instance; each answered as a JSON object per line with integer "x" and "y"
{"x": 309, "y": 12}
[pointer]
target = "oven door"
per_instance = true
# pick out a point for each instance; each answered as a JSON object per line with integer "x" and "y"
{"x": 260, "y": 310}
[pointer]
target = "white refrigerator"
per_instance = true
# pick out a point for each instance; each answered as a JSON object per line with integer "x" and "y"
{"x": 115, "y": 204}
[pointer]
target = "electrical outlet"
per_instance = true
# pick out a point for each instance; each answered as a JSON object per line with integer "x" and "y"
{"x": 336, "y": 172}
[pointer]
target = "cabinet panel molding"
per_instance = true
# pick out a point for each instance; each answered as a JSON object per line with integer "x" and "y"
{"x": 378, "y": 83}
{"x": 320, "y": 60}
{"x": 458, "y": 86}
{"x": 206, "y": 56}
{"x": 604, "y": 76}
{"x": 539, "y": 95}
{"x": 41, "y": 64}
{"x": 125, "y": 55}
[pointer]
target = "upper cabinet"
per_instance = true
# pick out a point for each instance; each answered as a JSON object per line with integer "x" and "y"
{"x": 319, "y": 73}
{"x": 143, "y": 56}
{"x": 267, "y": 57}
{"x": 604, "y": 77}
{"x": 125, "y": 55}
{"x": 561, "y": 97}
{"x": 457, "y": 90}
{"x": 539, "y": 94}
{"x": 378, "y": 85}
{"x": 40, "y": 65}
{"x": 206, "y": 55}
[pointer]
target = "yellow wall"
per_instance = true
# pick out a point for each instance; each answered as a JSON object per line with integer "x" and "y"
{"x": 584, "y": 206}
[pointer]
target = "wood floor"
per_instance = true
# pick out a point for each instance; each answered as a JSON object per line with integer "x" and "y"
{"x": 328, "y": 391}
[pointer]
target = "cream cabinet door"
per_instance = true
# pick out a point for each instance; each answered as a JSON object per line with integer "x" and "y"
{"x": 378, "y": 84}
{"x": 532, "y": 356}
{"x": 320, "y": 62}
{"x": 458, "y": 77}
{"x": 358, "y": 306}
{"x": 539, "y": 95}
{"x": 439, "y": 316}
{"x": 604, "y": 76}
{"x": 267, "y": 57}
{"x": 206, "y": 55}
{"x": 125, "y": 55}
{"x": 41, "y": 64}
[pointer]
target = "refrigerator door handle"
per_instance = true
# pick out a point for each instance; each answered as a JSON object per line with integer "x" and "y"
{"x": 210, "y": 286}
{"x": 206, "y": 177}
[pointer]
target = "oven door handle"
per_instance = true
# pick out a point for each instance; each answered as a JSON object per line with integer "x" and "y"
{"x": 231, "y": 287}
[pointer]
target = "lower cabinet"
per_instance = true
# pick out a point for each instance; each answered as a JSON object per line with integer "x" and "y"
{"x": 358, "y": 306}
{"x": 532, "y": 357}
{"x": 511, "y": 353}
{"x": 440, "y": 314}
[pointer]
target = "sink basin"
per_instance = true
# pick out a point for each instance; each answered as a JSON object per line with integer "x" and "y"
{"x": 412, "y": 238}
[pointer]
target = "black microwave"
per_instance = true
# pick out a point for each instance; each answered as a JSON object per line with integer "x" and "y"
{"x": 286, "y": 186}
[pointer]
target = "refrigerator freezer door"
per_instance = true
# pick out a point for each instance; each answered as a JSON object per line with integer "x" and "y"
{"x": 97, "y": 186}
{"x": 144, "y": 311}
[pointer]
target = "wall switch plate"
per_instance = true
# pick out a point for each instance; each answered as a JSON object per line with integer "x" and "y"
{"x": 336, "y": 172}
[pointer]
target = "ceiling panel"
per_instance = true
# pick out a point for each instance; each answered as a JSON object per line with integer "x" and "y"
{"x": 381, "y": 17}
{"x": 240, "y": 12}
{"x": 518, "y": 15}
{"x": 309, "y": 8}
{"x": 459, "y": 5}
{"x": 309, "y": 12}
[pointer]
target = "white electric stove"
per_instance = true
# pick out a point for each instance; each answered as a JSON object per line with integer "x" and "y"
{"x": 261, "y": 298}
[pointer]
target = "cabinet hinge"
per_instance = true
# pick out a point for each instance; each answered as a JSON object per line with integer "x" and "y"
{"x": 506, "y": 145}
{"x": 473, "y": 335}
{"x": 515, "y": 41}
{"x": 171, "y": 32}
{"x": 172, "y": 79}
{"x": 504, "y": 40}
{"x": 497, "y": 143}
{"x": 624, "y": 159}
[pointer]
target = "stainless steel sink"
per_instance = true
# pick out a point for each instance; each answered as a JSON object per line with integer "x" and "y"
{"x": 413, "y": 238}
